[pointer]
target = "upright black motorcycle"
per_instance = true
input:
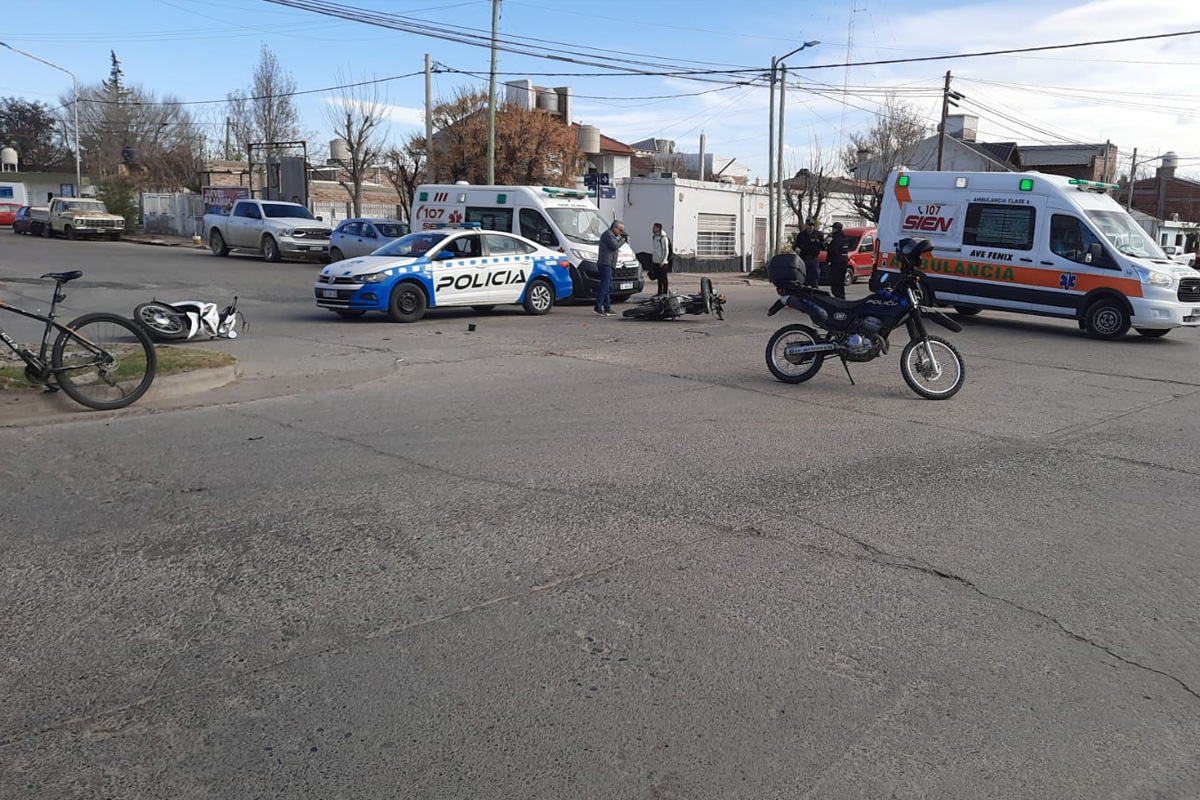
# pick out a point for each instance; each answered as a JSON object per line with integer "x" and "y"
{"x": 857, "y": 330}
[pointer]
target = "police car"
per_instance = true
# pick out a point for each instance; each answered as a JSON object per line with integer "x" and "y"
{"x": 463, "y": 266}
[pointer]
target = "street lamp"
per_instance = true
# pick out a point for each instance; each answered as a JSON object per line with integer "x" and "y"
{"x": 75, "y": 86}
{"x": 774, "y": 169}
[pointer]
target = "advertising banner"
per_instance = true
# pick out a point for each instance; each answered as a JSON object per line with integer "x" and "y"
{"x": 220, "y": 199}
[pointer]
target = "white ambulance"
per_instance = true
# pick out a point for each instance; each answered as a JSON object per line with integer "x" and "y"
{"x": 1037, "y": 244}
{"x": 561, "y": 219}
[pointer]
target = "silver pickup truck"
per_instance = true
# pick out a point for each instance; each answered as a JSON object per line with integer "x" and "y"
{"x": 275, "y": 229}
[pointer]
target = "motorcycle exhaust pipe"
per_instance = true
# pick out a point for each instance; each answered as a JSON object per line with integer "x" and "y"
{"x": 810, "y": 349}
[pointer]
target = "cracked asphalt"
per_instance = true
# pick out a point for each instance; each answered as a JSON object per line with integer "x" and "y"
{"x": 577, "y": 557}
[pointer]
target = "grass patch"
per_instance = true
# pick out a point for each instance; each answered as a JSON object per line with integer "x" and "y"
{"x": 171, "y": 361}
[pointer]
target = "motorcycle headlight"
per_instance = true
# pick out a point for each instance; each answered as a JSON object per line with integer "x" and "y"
{"x": 370, "y": 277}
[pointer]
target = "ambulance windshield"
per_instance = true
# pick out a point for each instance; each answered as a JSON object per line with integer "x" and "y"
{"x": 1125, "y": 234}
{"x": 579, "y": 224}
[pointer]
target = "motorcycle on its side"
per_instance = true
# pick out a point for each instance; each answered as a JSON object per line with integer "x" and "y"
{"x": 188, "y": 319}
{"x": 857, "y": 330}
{"x": 675, "y": 305}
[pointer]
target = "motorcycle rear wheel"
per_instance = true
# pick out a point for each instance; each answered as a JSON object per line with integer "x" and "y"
{"x": 919, "y": 374}
{"x": 162, "y": 322}
{"x": 643, "y": 311}
{"x": 793, "y": 369}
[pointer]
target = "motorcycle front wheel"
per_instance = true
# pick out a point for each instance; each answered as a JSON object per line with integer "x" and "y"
{"x": 162, "y": 322}
{"x": 938, "y": 378}
{"x": 793, "y": 368}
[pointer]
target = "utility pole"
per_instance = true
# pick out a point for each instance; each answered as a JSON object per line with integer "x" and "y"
{"x": 771, "y": 244}
{"x": 779, "y": 156}
{"x": 228, "y": 139}
{"x": 491, "y": 172}
{"x": 1132, "y": 178}
{"x": 74, "y": 106}
{"x": 429, "y": 173}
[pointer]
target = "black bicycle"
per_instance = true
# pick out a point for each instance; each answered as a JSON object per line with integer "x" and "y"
{"x": 101, "y": 361}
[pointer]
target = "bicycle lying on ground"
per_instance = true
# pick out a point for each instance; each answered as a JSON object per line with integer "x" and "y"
{"x": 101, "y": 361}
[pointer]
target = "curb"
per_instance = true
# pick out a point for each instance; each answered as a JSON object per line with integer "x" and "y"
{"x": 37, "y": 406}
{"x": 181, "y": 242}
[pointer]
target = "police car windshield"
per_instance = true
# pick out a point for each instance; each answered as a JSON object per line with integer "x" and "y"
{"x": 415, "y": 244}
{"x": 1125, "y": 234}
{"x": 579, "y": 224}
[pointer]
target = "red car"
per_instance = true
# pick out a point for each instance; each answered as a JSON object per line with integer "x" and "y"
{"x": 8, "y": 212}
{"x": 861, "y": 242}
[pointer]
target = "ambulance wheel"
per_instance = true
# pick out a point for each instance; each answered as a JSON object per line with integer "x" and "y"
{"x": 966, "y": 311}
{"x": 539, "y": 298}
{"x": 1153, "y": 333}
{"x": 1106, "y": 319}
{"x": 617, "y": 299}
{"x": 407, "y": 303}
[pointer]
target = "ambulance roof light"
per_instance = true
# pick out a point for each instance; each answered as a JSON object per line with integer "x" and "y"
{"x": 902, "y": 181}
{"x": 1097, "y": 185}
{"x": 1026, "y": 185}
{"x": 550, "y": 190}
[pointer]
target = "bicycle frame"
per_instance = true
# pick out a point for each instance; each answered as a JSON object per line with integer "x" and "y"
{"x": 39, "y": 362}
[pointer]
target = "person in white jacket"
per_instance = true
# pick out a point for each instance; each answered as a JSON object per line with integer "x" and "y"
{"x": 661, "y": 254}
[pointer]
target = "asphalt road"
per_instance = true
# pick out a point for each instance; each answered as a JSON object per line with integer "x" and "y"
{"x": 579, "y": 557}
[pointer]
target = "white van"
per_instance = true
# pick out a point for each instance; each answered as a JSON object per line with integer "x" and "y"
{"x": 1038, "y": 244}
{"x": 561, "y": 219}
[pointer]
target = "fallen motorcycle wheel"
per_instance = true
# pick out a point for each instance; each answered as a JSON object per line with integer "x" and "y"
{"x": 793, "y": 368}
{"x": 936, "y": 379}
{"x": 645, "y": 311}
{"x": 160, "y": 321}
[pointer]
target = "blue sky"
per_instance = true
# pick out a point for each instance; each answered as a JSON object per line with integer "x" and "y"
{"x": 1142, "y": 94}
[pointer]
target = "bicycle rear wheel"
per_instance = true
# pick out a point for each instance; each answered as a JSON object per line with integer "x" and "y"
{"x": 103, "y": 361}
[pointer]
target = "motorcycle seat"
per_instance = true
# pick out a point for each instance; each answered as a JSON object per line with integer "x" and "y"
{"x": 63, "y": 277}
{"x": 832, "y": 302}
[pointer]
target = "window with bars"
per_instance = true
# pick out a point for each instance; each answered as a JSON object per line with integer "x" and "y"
{"x": 716, "y": 235}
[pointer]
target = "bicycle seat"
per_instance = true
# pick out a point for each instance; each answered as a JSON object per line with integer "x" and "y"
{"x": 63, "y": 277}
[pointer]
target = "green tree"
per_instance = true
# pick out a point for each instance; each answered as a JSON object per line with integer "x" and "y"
{"x": 118, "y": 197}
{"x": 33, "y": 131}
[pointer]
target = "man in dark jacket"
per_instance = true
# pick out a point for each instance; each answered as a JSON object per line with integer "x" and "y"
{"x": 610, "y": 244}
{"x": 808, "y": 244}
{"x": 838, "y": 260}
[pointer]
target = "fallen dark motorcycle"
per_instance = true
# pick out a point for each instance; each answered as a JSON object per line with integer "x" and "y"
{"x": 674, "y": 305}
{"x": 857, "y": 330}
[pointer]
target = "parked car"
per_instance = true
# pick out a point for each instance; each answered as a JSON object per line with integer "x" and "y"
{"x": 8, "y": 212}
{"x": 24, "y": 221}
{"x": 861, "y": 242}
{"x": 361, "y": 237}
{"x": 453, "y": 266}
{"x": 273, "y": 228}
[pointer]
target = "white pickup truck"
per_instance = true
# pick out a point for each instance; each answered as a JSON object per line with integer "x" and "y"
{"x": 74, "y": 217}
{"x": 275, "y": 229}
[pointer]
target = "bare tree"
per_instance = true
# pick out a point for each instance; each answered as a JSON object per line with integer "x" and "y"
{"x": 356, "y": 115}
{"x": 807, "y": 193}
{"x": 126, "y": 131}
{"x": 897, "y": 130}
{"x": 404, "y": 166}
{"x": 266, "y": 112}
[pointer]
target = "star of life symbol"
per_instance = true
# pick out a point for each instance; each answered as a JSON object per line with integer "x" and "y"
{"x": 1067, "y": 280}
{"x": 455, "y": 216}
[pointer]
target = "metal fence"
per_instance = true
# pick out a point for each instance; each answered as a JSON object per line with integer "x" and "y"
{"x": 334, "y": 212}
{"x": 172, "y": 214}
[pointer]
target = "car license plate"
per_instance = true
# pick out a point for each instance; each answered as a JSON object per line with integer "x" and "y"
{"x": 329, "y": 293}
{"x": 626, "y": 285}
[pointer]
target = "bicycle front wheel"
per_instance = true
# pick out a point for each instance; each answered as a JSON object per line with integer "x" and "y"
{"x": 103, "y": 361}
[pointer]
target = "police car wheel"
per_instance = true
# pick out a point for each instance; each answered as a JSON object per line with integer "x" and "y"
{"x": 1106, "y": 319}
{"x": 407, "y": 303}
{"x": 539, "y": 298}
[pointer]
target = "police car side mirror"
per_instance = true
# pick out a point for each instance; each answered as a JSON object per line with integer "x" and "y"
{"x": 442, "y": 255}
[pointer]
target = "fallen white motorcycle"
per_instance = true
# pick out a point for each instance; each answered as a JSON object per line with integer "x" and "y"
{"x": 188, "y": 319}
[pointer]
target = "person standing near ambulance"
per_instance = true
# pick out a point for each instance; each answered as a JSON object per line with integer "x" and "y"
{"x": 606, "y": 261}
{"x": 662, "y": 258}
{"x": 837, "y": 259}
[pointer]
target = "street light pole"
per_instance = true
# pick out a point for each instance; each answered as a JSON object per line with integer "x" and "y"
{"x": 75, "y": 105}
{"x": 774, "y": 155}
